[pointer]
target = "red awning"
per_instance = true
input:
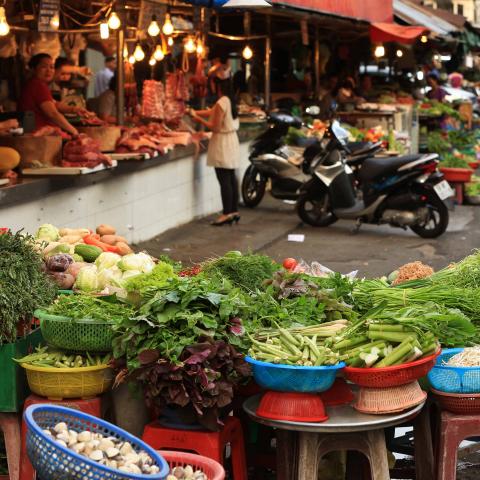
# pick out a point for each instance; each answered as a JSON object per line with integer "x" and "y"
{"x": 369, "y": 10}
{"x": 391, "y": 32}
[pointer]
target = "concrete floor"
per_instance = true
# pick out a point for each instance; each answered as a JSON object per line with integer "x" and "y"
{"x": 374, "y": 251}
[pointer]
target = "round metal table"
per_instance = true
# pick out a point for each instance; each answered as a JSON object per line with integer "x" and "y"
{"x": 345, "y": 429}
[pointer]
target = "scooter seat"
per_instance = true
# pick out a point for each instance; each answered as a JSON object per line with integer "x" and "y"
{"x": 375, "y": 167}
{"x": 362, "y": 148}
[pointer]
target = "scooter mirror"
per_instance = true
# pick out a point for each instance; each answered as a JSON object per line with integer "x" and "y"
{"x": 313, "y": 110}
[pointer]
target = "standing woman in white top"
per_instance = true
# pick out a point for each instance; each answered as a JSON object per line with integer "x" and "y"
{"x": 224, "y": 146}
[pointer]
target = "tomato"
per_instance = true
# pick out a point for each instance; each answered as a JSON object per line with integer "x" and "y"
{"x": 4, "y": 231}
{"x": 289, "y": 263}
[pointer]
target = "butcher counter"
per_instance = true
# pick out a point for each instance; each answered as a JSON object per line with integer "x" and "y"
{"x": 142, "y": 198}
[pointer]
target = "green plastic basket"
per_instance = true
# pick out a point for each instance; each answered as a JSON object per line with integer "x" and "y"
{"x": 86, "y": 335}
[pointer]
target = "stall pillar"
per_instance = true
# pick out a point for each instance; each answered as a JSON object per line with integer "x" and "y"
{"x": 317, "y": 63}
{"x": 120, "y": 65}
{"x": 268, "y": 68}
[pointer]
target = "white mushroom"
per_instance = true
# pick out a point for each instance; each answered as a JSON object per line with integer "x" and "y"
{"x": 64, "y": 436}
{"x": 126, "y": 448}
{"x": 132, "y": 458}
{"x": 84, "y": 436}
{"x": 60, "y": 427}
{"x": 96, "y": 455}
{"x": 112, "y": 452}
{"x": 78, "y": 447}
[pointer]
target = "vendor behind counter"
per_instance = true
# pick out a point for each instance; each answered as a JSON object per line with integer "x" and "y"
{"x": 37, "y": 97}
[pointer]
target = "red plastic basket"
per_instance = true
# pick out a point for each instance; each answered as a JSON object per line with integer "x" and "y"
{"x": 460, "y": 403}
{"x": 391, "y": 376}
{"x": 339, "y": 394}
{"x": 292, "y": 407}
{"x": 457, "y": 175}
{"x": 212, "y": 469}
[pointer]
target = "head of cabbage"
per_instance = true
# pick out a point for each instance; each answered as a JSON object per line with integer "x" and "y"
{"x": 140, "y": 262}
{"x": 47, "y": 232}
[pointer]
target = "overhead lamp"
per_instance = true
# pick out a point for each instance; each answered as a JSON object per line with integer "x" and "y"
{"x": 114, "y": 21}
{"x": 125, "y": 51}
{"x": 424, "y": 39}
{"x": 170, "y": 41}
{"x": 420, "y": 75}
{"x": 105, "y": 32}
{"x": 158, "y": 54}
{"x": 246, "y": 4}
{"x": 139, "y": 54}
{"x": 247, "y": 53}
{"x": 168, "y": 28}
{"x": 55, "y": 22}
{"x": 4, "y": 26}
{"x": 152, "y": 62}
{"x": 190, "y": 46}
{"x": 379, "y": 51}
{"x": 200, "y": 48}
{"x": 399, "y": 53}
{"x": 132, "y": 59}
{"x": 153, "y": 28}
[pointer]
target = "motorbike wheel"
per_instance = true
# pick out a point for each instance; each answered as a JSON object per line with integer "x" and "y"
{"x": 253, "y": 187}
{"x": 315, "y": 212}
{"x": 437, "y": 221}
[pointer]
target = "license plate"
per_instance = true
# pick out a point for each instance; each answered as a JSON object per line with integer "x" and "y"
{"x": 444, "y": 190}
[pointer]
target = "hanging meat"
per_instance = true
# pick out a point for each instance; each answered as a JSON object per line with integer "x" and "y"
{"x": 153, "y": 100}
{"x": 176, "y": 94}
{"x": 199, "y": 80}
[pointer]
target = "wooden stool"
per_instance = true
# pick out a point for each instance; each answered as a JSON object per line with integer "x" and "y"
{"x": 453, "y": 429}
{"x": 208, "y": 444}
{"x": 92, "y": 407}
{"x": 10, "y": 425}
{"x": 312, "y": 447}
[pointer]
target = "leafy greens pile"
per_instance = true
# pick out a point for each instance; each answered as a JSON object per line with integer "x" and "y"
{"x": 23, "y": 284}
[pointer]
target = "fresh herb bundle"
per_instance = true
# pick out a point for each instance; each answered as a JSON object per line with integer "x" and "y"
{"x": 247, "y": 271}
{"x": 23, "y": 284}
{"x": 78, "y": 307}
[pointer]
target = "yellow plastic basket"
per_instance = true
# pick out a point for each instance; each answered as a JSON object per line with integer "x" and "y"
{"x": 60, "y": 383}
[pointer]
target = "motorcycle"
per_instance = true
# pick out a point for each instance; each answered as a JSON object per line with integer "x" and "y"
{"x": 270, "y": 161}
{"x": 405, "y": 192}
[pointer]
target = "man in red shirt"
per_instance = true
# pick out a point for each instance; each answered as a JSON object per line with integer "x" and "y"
{"x": 37, "y": 97}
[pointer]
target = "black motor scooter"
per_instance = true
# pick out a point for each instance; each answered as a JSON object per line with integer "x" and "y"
{"x": 406, "y": 192}
{"x": 270, "y": 161}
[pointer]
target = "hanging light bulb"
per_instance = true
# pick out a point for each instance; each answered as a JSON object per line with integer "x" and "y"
{"x": 105, "y": 32}
{"x": 153, "y": 28}
{"x": 424, "y": 39}
{"x": 55, "y": 22}
{"x": 152, "y": 62}
{"x": 158, "y": 54}
{"x": 379, "y": 51}
{"x": 114, "y": 21}
{"x": 139, "y": 54}
{"x": 170, "y": 41}
{"x": 200, "y": 48}
{"x": 4, "y": 26}
{"x": 131, "y": 59}
{"x": 247, "y": 53}
{"x": 190, "y": 46}
{"x": 168, "y": 28}
{"x": 125, "y": 51}
{"x": 399, "y": 53}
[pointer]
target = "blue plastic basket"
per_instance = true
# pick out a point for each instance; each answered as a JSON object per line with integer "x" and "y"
{"x": 291, "y": 378}
{"x": 55, "y": 462}
{"x": 454, "y": 379}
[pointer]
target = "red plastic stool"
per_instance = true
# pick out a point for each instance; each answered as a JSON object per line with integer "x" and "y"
{"x": 208, "y": 444}
{"x": 10, "y": 425}
{"x": 453, "y": 429}
{"x": 92, "y": 407}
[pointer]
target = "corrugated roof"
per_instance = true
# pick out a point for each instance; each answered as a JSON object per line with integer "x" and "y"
{"x": 415, "y": 14}
{"x": 458, "y": 21}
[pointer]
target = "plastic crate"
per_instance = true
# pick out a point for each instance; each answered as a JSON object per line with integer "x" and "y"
{"x": 454, "y": 379}
{"x": 52, "y": 461}
{"x": 13, "y": 382}
{"x": 85, "y": 335}
{"x": 291, "y": 378}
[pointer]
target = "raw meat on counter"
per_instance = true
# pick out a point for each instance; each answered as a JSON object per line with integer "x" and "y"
{"x": 48, "y": 131}
{"x": 84, "y": 152}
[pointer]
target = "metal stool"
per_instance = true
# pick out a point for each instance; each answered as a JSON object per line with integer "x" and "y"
{"x": 92, "y": 406}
